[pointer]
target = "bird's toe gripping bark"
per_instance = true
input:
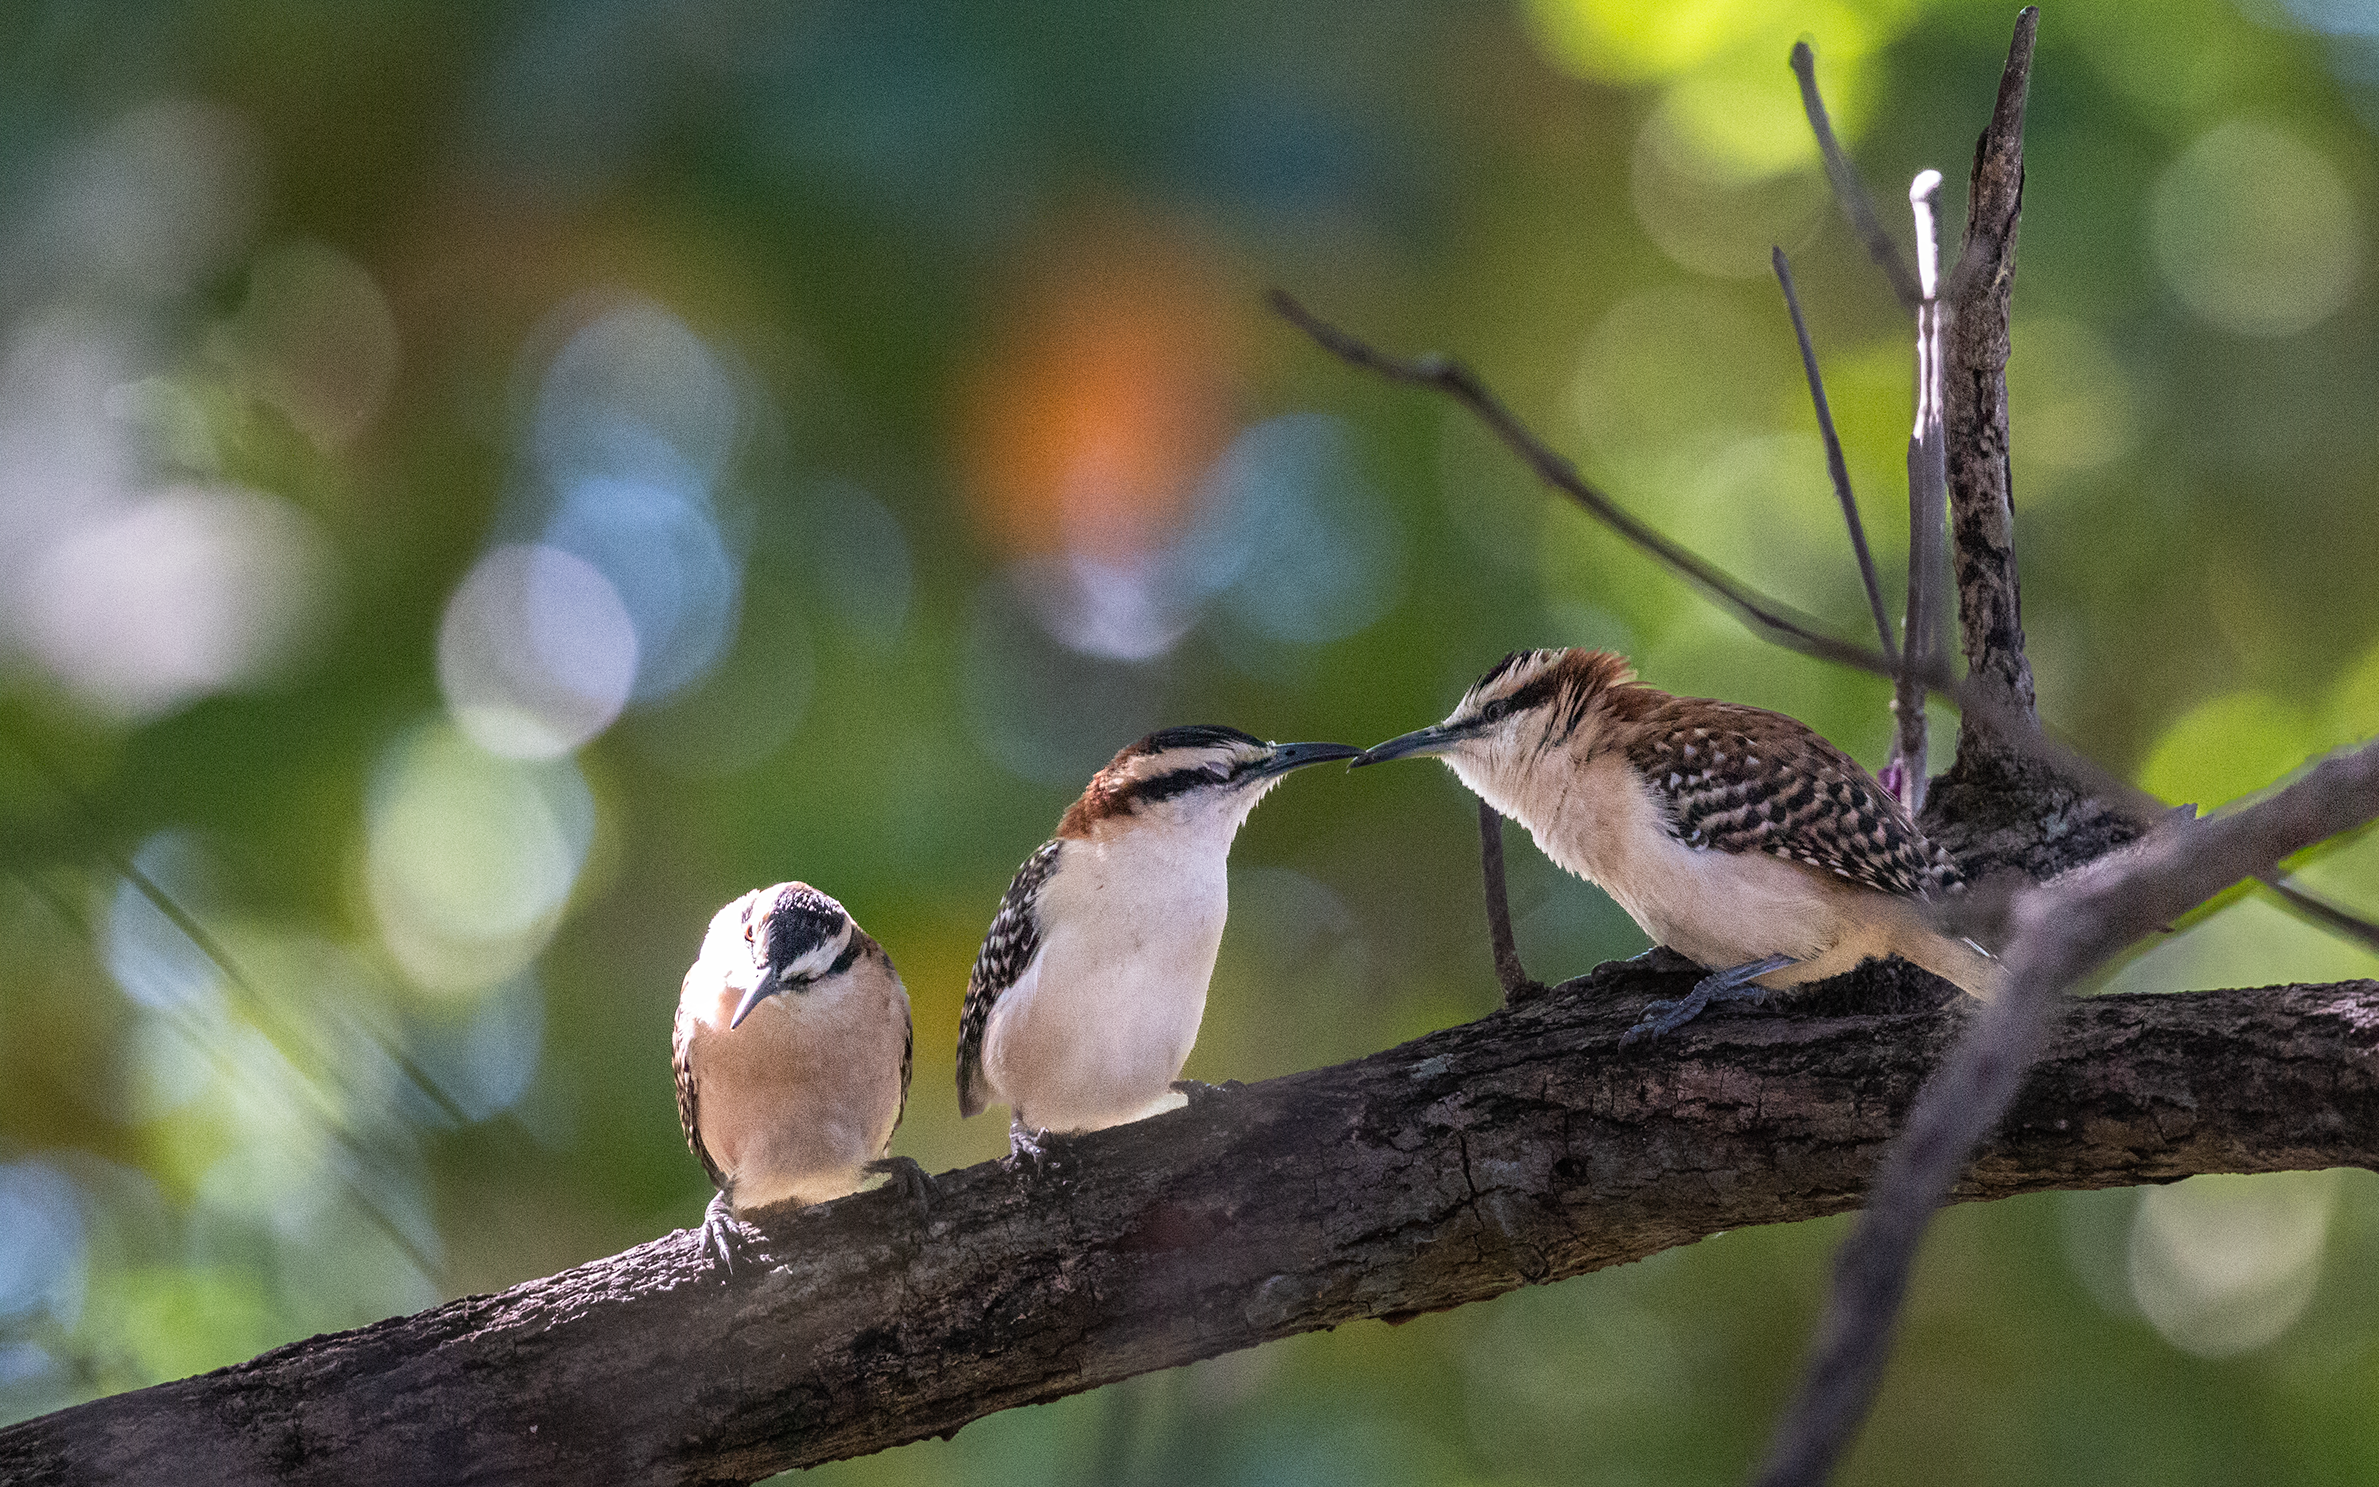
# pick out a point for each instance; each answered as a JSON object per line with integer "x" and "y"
{"x": 1732, "y": 984}
{"x": 1199, "y": 1091}
{"x": 1033, "y": 1149}
{"x": 723, "y": 1234}
{"x": 923, "y": 1192}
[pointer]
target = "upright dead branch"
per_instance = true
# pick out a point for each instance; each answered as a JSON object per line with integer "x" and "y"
{"x": 1981, "y": 492}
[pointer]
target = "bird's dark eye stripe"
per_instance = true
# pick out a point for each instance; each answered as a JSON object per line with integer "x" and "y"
{"x": 850, "y": 953}
{"x": 1171, "y": 783}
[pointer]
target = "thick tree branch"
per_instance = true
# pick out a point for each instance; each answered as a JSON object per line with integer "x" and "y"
{"x": 1515, "y": 1150}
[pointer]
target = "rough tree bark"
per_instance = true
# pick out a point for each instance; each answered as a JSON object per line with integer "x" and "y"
{"x": 1518, "y": 1149}
{"x": 1981, "y": 485}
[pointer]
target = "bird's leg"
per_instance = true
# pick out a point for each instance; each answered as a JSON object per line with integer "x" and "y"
{"x": 1199, "y": 1091}
{"x": 722, "y": 1235}
{"x": 922, "y": 1191}
{"x": 1518, "y": 985}
{"x": 1732, "y": 984}
{"x": 1031, "y": 1146}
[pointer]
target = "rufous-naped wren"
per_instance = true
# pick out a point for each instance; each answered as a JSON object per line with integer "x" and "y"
{"x": 792, "y": 1049}
{"x": 1733, "y": 835}
{"x": 1091, "y": 983}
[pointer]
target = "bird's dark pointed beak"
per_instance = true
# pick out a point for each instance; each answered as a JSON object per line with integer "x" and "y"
{"x": 1286, "y": 757}
{"x": 751, "y": 999}
{"x": 1437, "y": 738}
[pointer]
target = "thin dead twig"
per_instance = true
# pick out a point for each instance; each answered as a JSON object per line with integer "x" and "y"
{"x": 1518, "y": 985}
{"x": 2312, "y": 907}
{"x": 1778, "y": 621}
{"x": 1836, "y": 468}
{"x": 1857, "y": 206}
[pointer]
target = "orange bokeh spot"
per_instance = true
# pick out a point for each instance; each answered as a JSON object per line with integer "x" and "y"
{"x": 1105, "y": 395}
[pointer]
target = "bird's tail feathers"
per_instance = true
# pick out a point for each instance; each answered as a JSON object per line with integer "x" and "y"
{"x": 1974, "y": 970}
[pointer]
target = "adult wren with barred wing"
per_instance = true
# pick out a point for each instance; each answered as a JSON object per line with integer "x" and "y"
{"x": 792, "y": 1050}
{"x": 1088, "y": 992}
{"x": 1733, "y": 835}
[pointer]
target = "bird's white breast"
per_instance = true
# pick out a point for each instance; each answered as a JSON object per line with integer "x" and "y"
{"x": 1097, "y": 1029}
{"x": 1600, "y": 821}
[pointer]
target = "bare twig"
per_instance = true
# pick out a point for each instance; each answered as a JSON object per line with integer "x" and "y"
{"x": 1981, "y": 488}
{"x": 1518, "y": 985}
{"x": 2315, "y": 909}
{"x": 2062, "y": 932}
{"x": 1778, "y": 621}
{"x": 1857, "y": 206}
{"x": 1928, "y": 507}
{"x": 2019, "y": 731}
{"x": 201, "y": 938}
{"x": 1836, "y": 467}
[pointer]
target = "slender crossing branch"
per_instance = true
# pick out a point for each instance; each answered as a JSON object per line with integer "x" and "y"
{"x": 1837, "y": 469}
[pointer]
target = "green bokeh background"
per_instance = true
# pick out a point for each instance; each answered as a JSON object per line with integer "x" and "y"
{"x": 978, "y": 288}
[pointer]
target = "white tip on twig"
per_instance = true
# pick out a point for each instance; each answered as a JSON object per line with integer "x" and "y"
{"x": 1928, "y": 241}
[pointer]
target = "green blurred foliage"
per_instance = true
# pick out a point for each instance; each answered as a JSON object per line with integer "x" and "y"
{"x": 889, "y": 392}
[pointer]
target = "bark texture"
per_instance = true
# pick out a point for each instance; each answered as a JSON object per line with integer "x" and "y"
{"x": 1518, "y": 1149}
{"x": 1981, "y": 491}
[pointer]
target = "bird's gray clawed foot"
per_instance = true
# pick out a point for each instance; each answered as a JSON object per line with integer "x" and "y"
{"x": 923, "y": 1192}
{"x": 1033, "y": 1150}
{"x": 1665, "y": 1017}
{"x": 722, "y": 1235}
{"x": 1733, "y": 984}
{"x": 1199, "y": 1091}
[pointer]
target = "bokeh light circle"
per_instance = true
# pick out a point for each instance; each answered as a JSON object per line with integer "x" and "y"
{"x": 2255, "y": 232}
{"x": 536, "y": 653}
{"x": 2224, "y": 1264}
{"x": 470, "y": 857}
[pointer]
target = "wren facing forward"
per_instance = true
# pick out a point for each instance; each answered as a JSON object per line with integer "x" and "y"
{"x": 792, "y": 1049}
{"x": 1092, "y": 980}
{"x": 1733, "y": 835}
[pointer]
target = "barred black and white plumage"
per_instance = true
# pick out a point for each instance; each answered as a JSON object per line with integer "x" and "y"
{"x": 1008, "y": 949}
{"x": 1742, "y": 779}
